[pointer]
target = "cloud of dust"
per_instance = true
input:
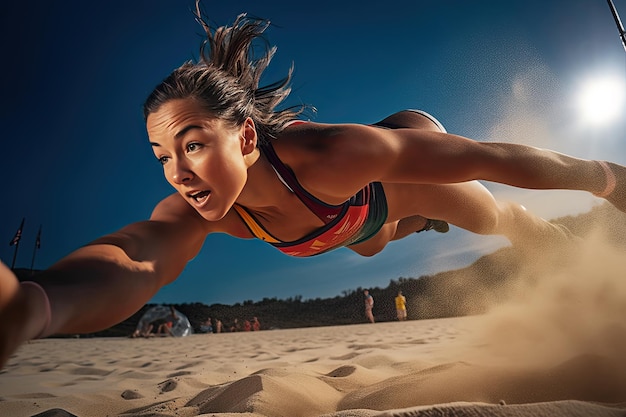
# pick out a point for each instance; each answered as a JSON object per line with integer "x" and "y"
{"x": 556, "y": 307}
{"x": 559, "y": 311}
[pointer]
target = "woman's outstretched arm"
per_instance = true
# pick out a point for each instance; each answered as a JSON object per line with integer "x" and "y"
{"x": 104, "y": 282}
{"x": 363, "y": 153}
{"x": 456, "y": 158}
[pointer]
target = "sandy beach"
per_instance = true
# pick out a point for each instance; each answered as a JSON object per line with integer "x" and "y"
{"x": 555, "y": 349}
{"x": 415, "y": 368}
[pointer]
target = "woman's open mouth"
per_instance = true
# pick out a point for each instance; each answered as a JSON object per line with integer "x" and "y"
{"x": 200, "y": 198}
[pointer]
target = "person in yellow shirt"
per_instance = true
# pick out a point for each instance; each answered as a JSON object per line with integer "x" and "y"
{"x": 401, "y": 306}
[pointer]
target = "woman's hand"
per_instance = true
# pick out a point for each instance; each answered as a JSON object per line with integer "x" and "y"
{"x": 13, "y": 315}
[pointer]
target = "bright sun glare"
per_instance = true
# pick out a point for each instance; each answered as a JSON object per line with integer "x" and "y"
{"x": 601, "y": 100}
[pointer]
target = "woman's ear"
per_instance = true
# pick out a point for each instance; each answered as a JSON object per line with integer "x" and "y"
{"x": 249, "y": 137}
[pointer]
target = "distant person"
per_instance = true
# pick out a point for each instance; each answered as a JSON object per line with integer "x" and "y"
{"x": 236, "y": 326}
{"x": 247, "y": 326}
{"x": 242, "y": 166}
{"x": 218, "y": 326}
{"x": 401, "y": 306}
{"x": 157, "y": 326}
{"x": 369, "y": 306}
{"x": 206, "y": 326}
{"x": 256, "y": 324}
{"x": 144, "y": 331}
{"x": 165, "y": 327}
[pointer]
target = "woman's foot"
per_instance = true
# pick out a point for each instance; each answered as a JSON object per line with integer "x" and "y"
{"x": 436, "y": 225}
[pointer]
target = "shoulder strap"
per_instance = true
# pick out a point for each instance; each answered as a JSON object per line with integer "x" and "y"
{"x": 326, "y": 212}
{"x": 255, "y": 228}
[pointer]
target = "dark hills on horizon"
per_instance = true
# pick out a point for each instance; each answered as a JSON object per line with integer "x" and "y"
{"x": 465, "y": 291}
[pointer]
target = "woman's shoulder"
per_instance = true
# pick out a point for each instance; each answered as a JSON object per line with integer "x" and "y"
{"x": 319, "y": 154}
{"x": 320, "y": 139}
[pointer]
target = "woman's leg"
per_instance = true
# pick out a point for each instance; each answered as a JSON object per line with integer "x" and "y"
{"x": 472, "y": 207}
{"x": 469, "y": 206}
{"x": 417, "y": 224}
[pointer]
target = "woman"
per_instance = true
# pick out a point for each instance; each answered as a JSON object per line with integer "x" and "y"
{"x": 241, "y": 167}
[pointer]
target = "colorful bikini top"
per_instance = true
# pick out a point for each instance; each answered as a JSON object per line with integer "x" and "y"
{"x": 343, "y": 223}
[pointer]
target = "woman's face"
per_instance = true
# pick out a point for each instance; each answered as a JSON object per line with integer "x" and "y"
{"x": 203, "y": 158}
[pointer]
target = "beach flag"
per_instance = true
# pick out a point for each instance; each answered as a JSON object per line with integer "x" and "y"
{"x": 38, "y": 241}
{"x": 18, "y": 234}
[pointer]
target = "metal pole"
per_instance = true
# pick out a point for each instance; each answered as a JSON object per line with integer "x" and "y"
{"x": 32, "y": 262}
{"x": 37, "y": 243}
{"x": 15, "y": 254}
{"x": 618, "y": 22}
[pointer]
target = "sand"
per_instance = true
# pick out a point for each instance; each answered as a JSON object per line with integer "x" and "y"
{"x": 415, "y": 368}
{"x": 556, "y": 349}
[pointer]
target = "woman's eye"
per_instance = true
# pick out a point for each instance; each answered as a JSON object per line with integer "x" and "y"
{"x": 193, "y": 147}
{"x": 163, "y": 159}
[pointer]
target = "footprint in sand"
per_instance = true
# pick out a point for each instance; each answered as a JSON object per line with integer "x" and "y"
{"x": 342, "y": 371}
{"x": 89, "y": 371}
{"x": 167, "y": 386}
{"x": 131, "y": 395}
{"x": 179, "y": 373}
{"x": 34, "y": 395}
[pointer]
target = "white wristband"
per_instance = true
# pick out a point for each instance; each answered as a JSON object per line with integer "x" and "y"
{"x": 611, "y": 181}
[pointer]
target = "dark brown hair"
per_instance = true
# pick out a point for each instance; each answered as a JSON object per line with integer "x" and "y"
{"x": 225, "y": 81}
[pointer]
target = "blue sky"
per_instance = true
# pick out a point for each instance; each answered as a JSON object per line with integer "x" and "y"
{"x": 76, "y": 156}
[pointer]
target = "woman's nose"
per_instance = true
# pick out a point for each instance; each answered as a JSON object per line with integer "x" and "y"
{"x": 181, "y": 173}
